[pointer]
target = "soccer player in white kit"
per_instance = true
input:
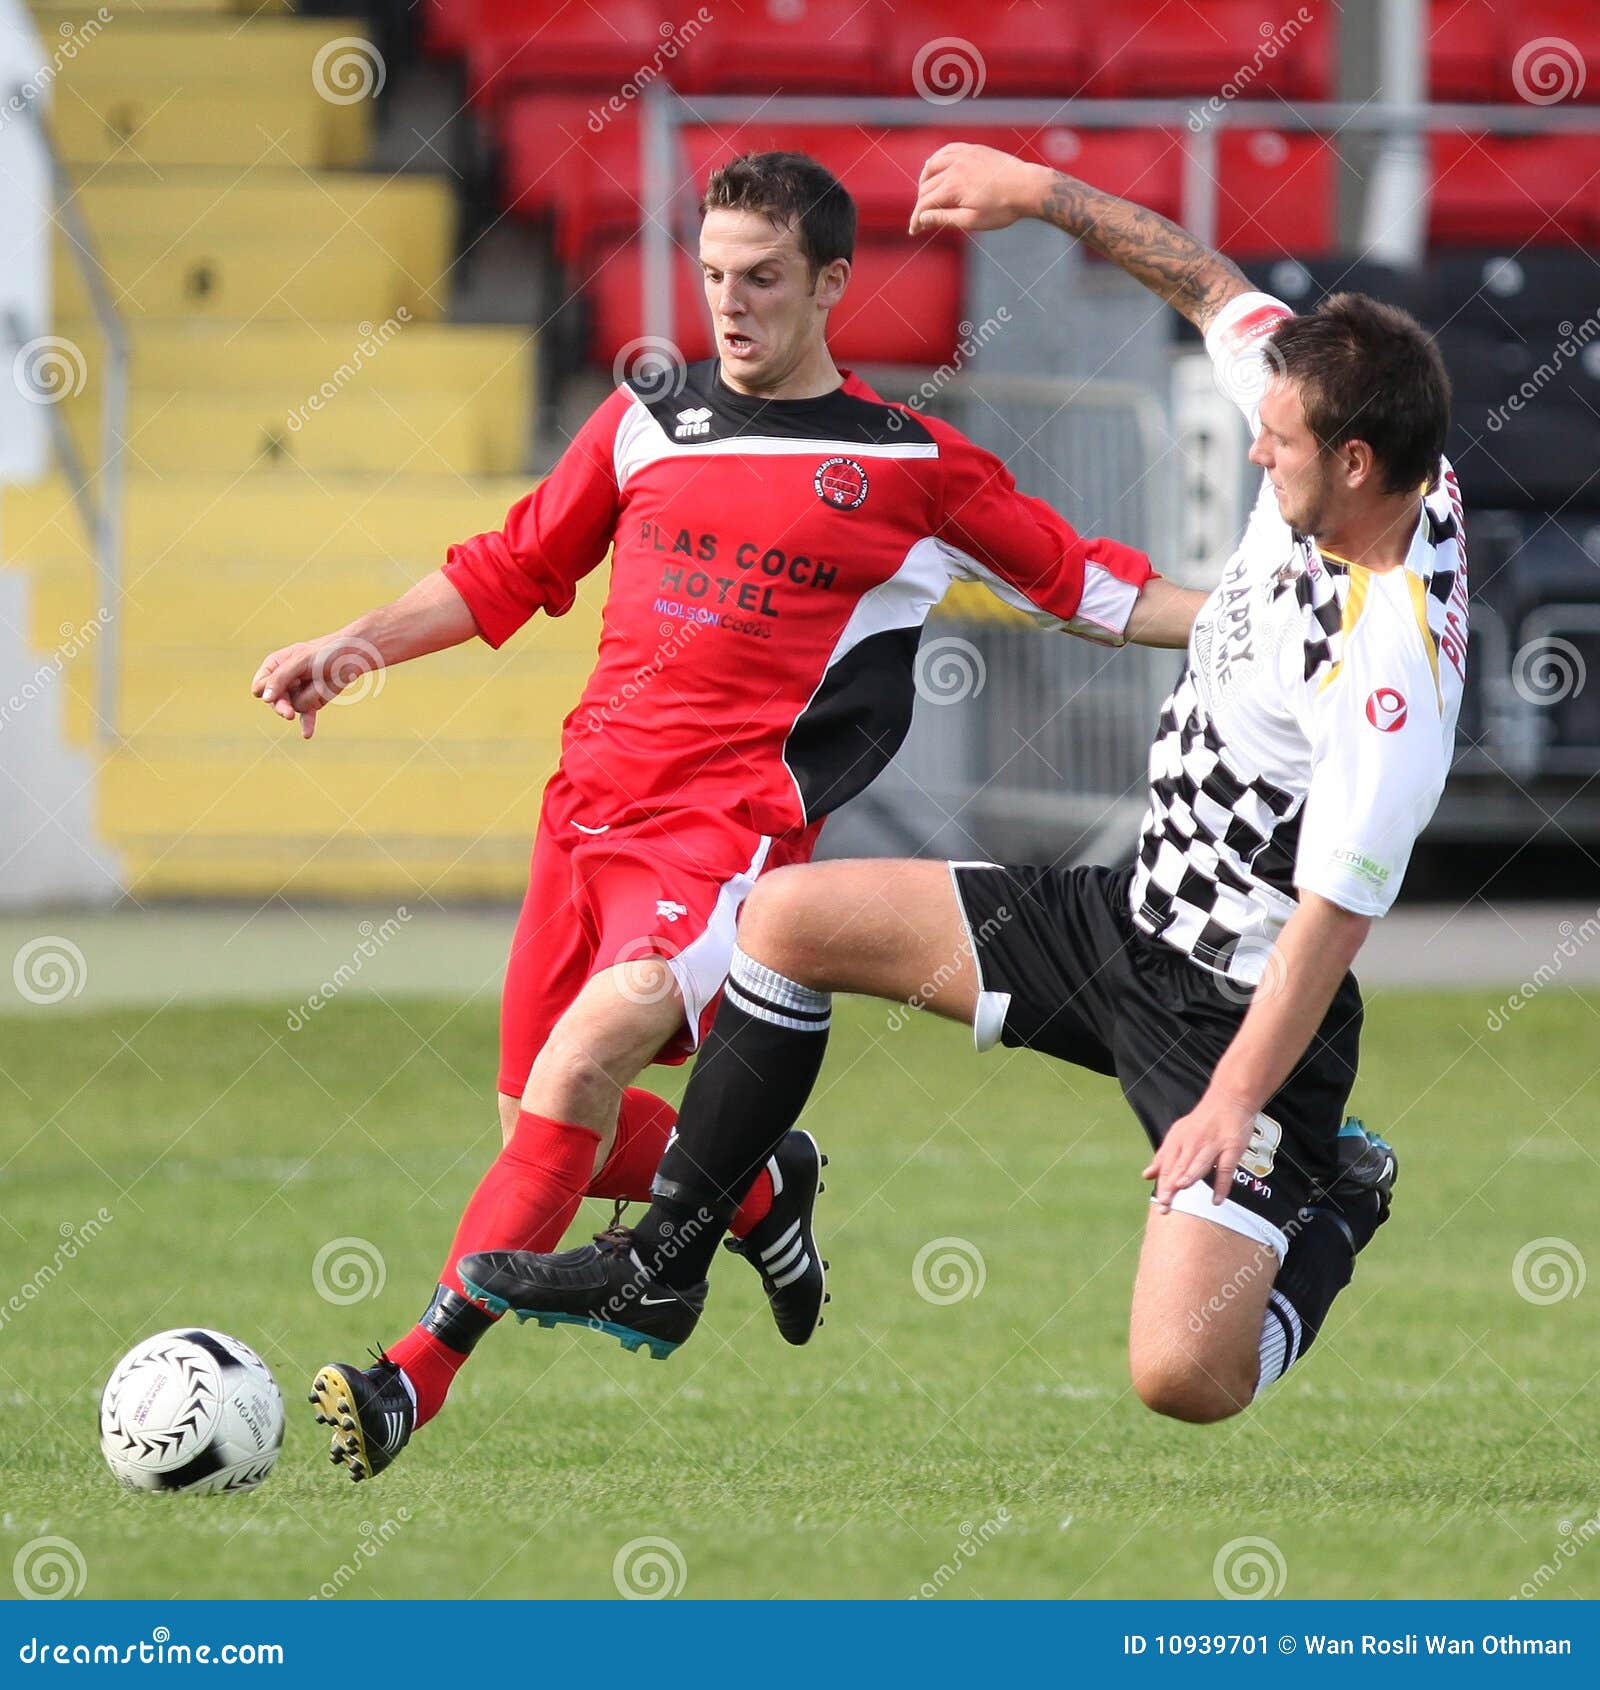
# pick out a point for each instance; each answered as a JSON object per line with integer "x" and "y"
{"x": 1295, "y": 763}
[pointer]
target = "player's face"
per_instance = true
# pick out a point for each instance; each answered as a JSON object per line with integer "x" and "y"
{"x": 1301, "y": 472}
{"x": 769, "y": 312}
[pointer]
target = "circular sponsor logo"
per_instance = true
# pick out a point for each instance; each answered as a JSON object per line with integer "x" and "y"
{"x": 1386, "y": 710}
{"x": 842, "y": 483}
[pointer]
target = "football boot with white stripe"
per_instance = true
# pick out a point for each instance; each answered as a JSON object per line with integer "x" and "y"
{"x": 370, "y": 1410}
{"x": 782, "y": 1247}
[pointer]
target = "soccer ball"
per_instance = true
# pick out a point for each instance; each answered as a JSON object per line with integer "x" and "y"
{"x": 191, "y": 1410}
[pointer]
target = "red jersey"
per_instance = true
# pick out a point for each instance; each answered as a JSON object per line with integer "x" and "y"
{"x": 772, "y": 564}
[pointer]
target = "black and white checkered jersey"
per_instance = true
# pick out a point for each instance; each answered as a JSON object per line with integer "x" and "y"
{"x": 1307, "y": 741}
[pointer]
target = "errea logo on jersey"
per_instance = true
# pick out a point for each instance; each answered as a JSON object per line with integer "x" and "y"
{"x": 667, "y": 910}
{"x": 1386, "y": 710}
{"x": 692, "y": 423}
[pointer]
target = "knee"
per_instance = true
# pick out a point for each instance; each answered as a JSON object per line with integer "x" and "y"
{"x": 570, "y": 1077}
{"x": 1182, "y": 1388}
{"x": 775, "y": 922}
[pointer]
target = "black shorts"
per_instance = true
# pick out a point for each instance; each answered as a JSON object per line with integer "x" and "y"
{"x": 1064, "y": 970}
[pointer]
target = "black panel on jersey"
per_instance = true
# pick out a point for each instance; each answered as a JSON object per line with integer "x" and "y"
{"x": 857, "y": 720}
{"x": 720, "y": 414}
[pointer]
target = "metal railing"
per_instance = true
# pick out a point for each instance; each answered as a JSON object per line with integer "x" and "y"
{"x": 1200, "y": 122}
{"x": 97, "y": 492}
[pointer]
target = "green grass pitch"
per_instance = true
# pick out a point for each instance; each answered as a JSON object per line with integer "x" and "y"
{"x": 1440, "y": 1441}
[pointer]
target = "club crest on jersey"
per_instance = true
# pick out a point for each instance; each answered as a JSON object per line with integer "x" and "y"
{"x": 693, "y": 423}
{"x": 1386, "y": 710}
{"x": 842, "y": 483}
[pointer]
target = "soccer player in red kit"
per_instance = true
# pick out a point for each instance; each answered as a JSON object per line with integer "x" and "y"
{"x": 778, "y": 535}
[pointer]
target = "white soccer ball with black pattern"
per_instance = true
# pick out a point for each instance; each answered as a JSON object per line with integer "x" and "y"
{"x": 191, "y": 1410}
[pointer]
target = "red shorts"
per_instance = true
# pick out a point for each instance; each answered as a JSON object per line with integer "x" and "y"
{"x": 599, "y": 894}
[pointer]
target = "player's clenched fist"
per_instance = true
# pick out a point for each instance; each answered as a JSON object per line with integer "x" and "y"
{"x": 969, "y": 187}
{"x": 297, "y": 680}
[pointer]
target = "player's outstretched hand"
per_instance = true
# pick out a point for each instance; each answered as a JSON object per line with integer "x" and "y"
{"x": 297, "y": 680}
{"x": 1204, "y": 1144}
{"x": 968, "y": 187}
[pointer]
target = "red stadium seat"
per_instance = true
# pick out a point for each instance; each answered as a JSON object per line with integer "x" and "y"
{"x": 1550, "y": 52}
{"x": 568, "y": 156}
{"x": 1527, "y": 189}
{"x": 445, "y": 27}
{"x": 1277, "y": 194}
{"x": 879, "y": 167}
{"x": 1546, "y": 50}
{"x": 616, "y": 321}
{"x": 515, "y": 44}
{"x": 1041, "y": 48}
{"x": 903, "y": 305}
{"x": 1464, "y": 50}
{"x": 1149, "y": 48}
{"x": 783, "y": 47}
{"x": 1141, "y": 164}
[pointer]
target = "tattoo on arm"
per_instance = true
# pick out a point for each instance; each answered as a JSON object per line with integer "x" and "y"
{"x": 1152, "y": 249}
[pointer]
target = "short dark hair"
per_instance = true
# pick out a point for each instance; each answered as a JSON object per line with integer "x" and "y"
{"x": 789, "y": 188}
{"x": 1369, "y": 371}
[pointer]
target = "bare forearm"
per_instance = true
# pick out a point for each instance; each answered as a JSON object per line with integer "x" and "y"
{"x": 1152, "y": 249}
{"x": 1163, "y": 614}
{"x": 431, "y": 616}
{"x": 1313, "y": 953}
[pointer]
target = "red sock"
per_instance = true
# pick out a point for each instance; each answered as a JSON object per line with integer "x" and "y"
{"x": 644, "y": 1125}
{"x": 525, "y": 1202}
{"x": 430, "y": 1365}
{"x": 755, "y": 1208}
